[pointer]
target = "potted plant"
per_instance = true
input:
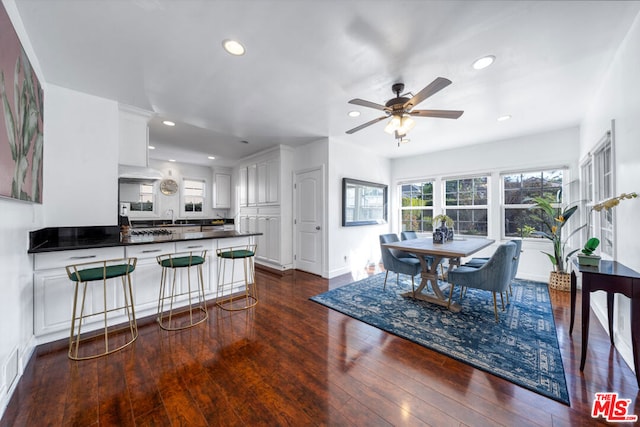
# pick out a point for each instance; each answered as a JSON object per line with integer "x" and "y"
{"x": 587, "y": 257}
{"x": 554, "y": 220}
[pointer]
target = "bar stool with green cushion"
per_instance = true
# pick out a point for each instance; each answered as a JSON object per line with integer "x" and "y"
{"x": 172, "y": 293}
{"x": 238, "y": 298}
{"x": 101, "y": 271}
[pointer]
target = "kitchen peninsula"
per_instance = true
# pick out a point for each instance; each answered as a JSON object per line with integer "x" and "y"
{"x": 56, "y": 247}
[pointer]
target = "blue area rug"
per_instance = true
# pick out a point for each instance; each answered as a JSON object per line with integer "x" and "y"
{"x": 522, "y": 348}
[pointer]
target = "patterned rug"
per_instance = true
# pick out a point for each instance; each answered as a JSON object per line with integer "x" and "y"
{"x": 522, "y": 348}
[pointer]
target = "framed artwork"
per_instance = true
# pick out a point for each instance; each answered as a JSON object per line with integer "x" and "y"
{"x": 21, "y": 123}
{"x": 363, "y": 203}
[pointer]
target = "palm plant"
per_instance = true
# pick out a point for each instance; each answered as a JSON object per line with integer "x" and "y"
{"x": 554, "y": 219}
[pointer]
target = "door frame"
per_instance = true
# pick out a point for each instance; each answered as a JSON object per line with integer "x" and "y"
{"x": 323, "y": 220}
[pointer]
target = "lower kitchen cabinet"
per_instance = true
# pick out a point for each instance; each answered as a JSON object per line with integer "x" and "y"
{"x": 53, "y": 291}
{"x": 146, "y": 277}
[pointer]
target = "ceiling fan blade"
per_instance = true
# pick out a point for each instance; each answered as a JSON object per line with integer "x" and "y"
{"x": 443, "y": 114}
{"x": 434, "y": 87}
{"x": 369, "y": 123}
{"x": 363, "y": 103}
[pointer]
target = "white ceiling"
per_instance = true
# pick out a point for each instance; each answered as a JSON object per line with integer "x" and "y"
{"x": 305, "y": 59}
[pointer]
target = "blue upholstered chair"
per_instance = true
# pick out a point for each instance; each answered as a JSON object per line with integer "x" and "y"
{"x": 397, "y": 261}
{"x": 494, "y": 275}
{"x": 479, "y": 262}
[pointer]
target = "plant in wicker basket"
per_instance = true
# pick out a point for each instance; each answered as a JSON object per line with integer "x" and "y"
{"x": 554, "y": 219}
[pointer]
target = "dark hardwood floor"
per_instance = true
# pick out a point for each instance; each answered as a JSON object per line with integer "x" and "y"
{"x": 290, "y": 361}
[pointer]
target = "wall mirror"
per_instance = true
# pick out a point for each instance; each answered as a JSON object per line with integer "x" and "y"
{"x": 363, "y": 203}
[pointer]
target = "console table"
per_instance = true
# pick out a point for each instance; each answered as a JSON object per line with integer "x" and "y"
{"x": 611, "y": 277}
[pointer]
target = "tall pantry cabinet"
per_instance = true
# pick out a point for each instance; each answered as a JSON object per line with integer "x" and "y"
{"x": 265, "y": 199}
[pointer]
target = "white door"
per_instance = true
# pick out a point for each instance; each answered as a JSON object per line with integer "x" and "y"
{"x": 308, "y": 221}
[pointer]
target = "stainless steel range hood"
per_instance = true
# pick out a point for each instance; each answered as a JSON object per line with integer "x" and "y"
{"x": 138, "y": 174}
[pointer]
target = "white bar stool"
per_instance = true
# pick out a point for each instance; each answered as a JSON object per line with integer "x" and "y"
{"x": 94, "y": 271}
{"x": 228, "y": 298}
{"x": 172, "y": 319}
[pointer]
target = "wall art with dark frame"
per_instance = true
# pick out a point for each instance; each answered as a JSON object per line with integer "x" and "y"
{"x": 363, "y": 202}
{"x": 21, "y": 126}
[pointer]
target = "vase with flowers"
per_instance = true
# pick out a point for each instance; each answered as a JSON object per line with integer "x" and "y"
{"x": 554, "y": 219}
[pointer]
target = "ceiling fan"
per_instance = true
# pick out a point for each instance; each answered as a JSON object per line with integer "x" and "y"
{"x": 400, "y": 109}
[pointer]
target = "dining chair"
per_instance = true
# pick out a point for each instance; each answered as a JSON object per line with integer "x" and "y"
{"x": 494, "y": 275}
{"x": 398, "y": 261}
{"x": 479, "y": 262}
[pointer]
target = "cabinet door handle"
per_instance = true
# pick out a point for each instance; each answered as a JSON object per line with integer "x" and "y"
{"x": 83, "y": 257}
{"x": 151, "y": 251}
{"x": 193, "y": 247}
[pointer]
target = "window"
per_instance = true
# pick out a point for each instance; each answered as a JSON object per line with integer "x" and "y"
{"x": 466, "y": 203}
{"x": 416, "y": 207}
{"x": 193, "y": 198}
{"x": 519, "y": 190}
{"x": 144, "y": 202}
{"x": 602, "y": 190}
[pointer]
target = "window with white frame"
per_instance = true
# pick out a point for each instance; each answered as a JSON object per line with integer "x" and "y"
{"x": 466, "y": 202}
{"x": 193, "y": 195}
{"x": 519, "y": 190}
{"x": 144, "y": 202}
{"x": 601, "y": 189}
{"x": 416, "y": 206}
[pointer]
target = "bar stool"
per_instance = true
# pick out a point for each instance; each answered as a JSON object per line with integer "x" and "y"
{"x": 226, "y": 297}
{"x": 197, "y": 309}
{"x": 94, "y": 271}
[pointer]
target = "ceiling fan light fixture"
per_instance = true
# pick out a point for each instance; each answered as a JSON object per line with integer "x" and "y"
{"x": 484, "y": 62}
{"x": 504, "y": 118}
{"x": 211, "y": 157}
{"x": 394, "y": 124}
{"x": 354, "y": 113}
{"x": 168, "y": 123}
{"x": 233, "y": 47}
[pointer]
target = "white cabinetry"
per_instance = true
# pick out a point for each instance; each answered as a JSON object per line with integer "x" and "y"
{"x": 242, "y": 186}
{"x": 221, "y": 190}
{"x": 146, "y": 277}
{"x": 53, "y": 290}
{"x": 267, "y": 211}
{"x": 133, "y": 136}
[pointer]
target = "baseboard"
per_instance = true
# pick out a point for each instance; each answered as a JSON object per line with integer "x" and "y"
{"x": 272, "y": 270}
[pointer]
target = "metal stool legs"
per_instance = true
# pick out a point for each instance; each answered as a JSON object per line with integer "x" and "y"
{"x": 101, "y": 271}
{"x": 230, "y": 298}
{"x": 173, "y": 319}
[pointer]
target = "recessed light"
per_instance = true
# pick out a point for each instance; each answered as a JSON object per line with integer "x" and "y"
{"x": 168, "y": 123}
{"x": 172, "y": 160}
{"x": 354, "y": 113}
{"x": 483, "y": 62}
{"x": 503, "y": 118}
{"x": 211, "y": 158}
{"x": 151, "y": 147}
{"x": 233, "y": 47}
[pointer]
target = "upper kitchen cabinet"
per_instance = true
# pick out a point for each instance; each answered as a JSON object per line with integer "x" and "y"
{"x": 221, "y": 189}
{"x": 133, "y": 136}
{"x": 263, "y": 182}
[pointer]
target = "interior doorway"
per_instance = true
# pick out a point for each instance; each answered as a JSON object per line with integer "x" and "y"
{"x": 308, "y": 220}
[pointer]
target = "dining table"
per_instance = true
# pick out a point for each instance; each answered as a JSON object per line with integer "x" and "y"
{"x": 454, "y": 250}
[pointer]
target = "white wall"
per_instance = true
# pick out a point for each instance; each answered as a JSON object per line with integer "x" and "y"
{"x": 617, "y": 98}
{"x": 16, "y": 220}
{"x": 81, "y": 159}
{"x": 360, "y": 245}
{"x": 545, "y": 150}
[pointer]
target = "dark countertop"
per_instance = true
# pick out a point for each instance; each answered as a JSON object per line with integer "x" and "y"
{"x": 69, "y": 238}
